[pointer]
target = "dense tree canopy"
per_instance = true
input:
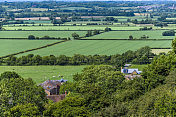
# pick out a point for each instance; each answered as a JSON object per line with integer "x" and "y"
{"x": 8, "y": 75}
{"x": 18, "y": 92}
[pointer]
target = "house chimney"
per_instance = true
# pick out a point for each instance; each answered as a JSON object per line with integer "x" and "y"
{"x": 65, "y": 93}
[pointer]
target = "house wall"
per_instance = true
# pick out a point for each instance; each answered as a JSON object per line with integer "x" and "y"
{"x": 55, "y": 91}
{"x": 47, "y": 92}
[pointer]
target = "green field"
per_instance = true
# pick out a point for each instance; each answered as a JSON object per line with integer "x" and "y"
{"x": 25, "y": 34}
{"x": 92, "y": 47}
{"x": 73, "y": 8}
{"x": 153, "y": 34}
{"x": 97, "y": 27}
{"x": 41, "y": 73}
{"x": 140, "y": 67}
{"x": 115, "y": 26}
{"x": 38, "y": 21}
{"x": 14, "y": 46}
{"x": 33, "y": 21}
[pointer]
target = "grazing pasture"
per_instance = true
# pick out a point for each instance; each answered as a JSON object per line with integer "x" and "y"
{"x": 13, "y": 46}
{"x": 25, "y": 34}
{"x": 92, "y": 47}
{"x": 153, "y": 34}
{"x": 41, "y": 73}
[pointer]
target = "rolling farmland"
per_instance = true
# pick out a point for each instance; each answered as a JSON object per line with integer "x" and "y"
{"x": 104, "y": 47}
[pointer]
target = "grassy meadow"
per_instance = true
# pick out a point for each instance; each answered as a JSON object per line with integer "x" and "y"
{"x": 25, "y": 34}
{"x": 92, "y": 47}
{"x": 153, "y": 34}
{"x": 14, "y": 46}
{"x": 41, "y": 73}
{"x": 92, "y": 27}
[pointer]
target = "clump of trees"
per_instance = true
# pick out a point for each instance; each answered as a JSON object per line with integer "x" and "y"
{"x": 107, "y": 29}
{"x": 169, "y": 33}
{"x": 146, "y": 21}
{"x": 32, "y": 37}
{"x": 146, "y": 28}
{"x": 92, "y": 32}
{"x": 144, "y": 37}
{"x": 75, "y": 36}
{"x": 111, "y": 19}
{"x": 130, "y": 37}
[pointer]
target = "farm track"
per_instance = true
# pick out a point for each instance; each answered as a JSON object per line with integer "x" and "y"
{"x": 29, "y": 50}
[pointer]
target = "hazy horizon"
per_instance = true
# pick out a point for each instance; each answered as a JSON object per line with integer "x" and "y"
{"x": 82, "y": 0}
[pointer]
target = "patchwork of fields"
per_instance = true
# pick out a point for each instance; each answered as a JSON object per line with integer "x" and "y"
{"x": 92, "y": 47}
{"x": 41, "y": 73}
{"x": 121, "y": 30}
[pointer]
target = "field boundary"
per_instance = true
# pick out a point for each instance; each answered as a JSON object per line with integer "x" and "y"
{"x": 87, "y": 30}
{"x": 32, "y": 39}
{"x": 49, "y": 30}
{"x": 129, "y": 39}
{"x": 29, "y": 50}
{"x": 161, "y": 48}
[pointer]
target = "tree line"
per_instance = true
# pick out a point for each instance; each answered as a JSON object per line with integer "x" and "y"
{"x": 141, "y": 56}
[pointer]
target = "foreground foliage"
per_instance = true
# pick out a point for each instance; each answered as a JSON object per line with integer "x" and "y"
{"x": 98, "y": 91}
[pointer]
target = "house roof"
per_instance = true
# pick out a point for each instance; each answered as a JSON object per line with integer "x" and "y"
{"x": 50, "y": 84}
{"x": 129, "y": 71}
{"x": 127, "y": 65}
{"x": 62, "y": 80}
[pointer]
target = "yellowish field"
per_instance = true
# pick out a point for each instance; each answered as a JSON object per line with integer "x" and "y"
{"x": 157, "y": 51}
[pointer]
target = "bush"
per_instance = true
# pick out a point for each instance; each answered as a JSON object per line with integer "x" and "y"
{"x": 107, "y": 29}
{"x": 31, "y": 37}
{"x": 9, "y": 75}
